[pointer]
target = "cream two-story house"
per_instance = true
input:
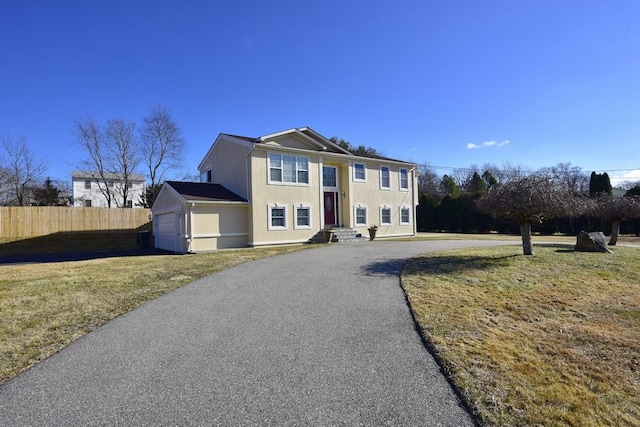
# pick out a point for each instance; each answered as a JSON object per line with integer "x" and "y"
{"x": 283, "y": 188}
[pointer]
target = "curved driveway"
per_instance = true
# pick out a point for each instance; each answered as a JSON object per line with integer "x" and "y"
{"x": 318, "y": 337}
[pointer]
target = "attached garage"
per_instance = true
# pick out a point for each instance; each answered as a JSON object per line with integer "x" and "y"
{"x": 199, "y": 217}
{"x": 166, "y": 231}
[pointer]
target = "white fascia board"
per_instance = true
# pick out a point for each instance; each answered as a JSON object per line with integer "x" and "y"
{"x": 325, "y": 140}
{"x": 297, "y": 132}
{"x": 277, "y": 134}
{"x": 218, "y": 202}
{"x": 165, "y": 188}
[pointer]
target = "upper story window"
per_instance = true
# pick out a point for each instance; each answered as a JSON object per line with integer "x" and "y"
{"x": 111, "y": 184}
{"x": 209, "y": 177}
{"x": 384, "y": 177}
{"x": 359, "y": 173}
{"x": 329, "y": 176}
{"x": 87, "y": 184}
{"x": 288, "y": 169}
{"x": 404, "y": 179}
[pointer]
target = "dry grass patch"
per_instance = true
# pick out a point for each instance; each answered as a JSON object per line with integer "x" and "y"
{"x": 44, "y": 307}
{"x": 552, "y": 339}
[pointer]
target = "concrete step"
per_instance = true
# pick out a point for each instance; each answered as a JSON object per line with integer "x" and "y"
{"x": 340, "y": 235}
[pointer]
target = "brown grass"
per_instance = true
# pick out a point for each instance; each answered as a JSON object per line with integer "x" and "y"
{"x": 44, "y": 307}
{"x": 552, "y": 339}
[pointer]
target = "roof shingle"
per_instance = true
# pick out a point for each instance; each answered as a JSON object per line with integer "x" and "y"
{"x": 204, "y": 191}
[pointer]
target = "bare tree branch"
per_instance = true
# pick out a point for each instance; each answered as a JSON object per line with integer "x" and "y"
{"x": 22, "y": 170}
{"x": 163, "y": 147}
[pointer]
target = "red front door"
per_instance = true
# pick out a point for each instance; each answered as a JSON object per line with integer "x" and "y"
{"x": 330, "y": 208}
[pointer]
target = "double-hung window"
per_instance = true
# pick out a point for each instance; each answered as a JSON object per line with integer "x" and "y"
{"x": 405, "y": 219}
{"x": 329, "y": 176}
{"x": 384, "y": 177}
{"x": 302, "y": 217}
{"x": 361, "y": 215}
{"x": 288, "y": 169}
{"x": 404, "y": 179}
{"x": 277, "y": 217}
{"x": 359, "y": 173}
{"x": 385, "y": 215}
{"x": 87, "y": 184}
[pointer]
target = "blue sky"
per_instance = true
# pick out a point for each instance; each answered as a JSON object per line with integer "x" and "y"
{"x": 450, "y": 83}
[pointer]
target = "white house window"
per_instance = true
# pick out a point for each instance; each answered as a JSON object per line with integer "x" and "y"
{"x": 405, "y": 219}
{"x": 130, "y": 184}
{"x": 277, "y": 217}
{"x": 385, "y": 215}
{"x": 384, "y": 177}
{"x": 404, "y": 179}
{"x": 87, "y": 203}
{"x": 209, "y": 176}
{"x": 87, "y": 184}
{"x": 359, "y": 172}
{"x": 329, "y": 176}
{"x": 288, "y": 169}
{"x": 130, "y": 204}
{"x": 302, "y": 217}
{"x": 111, "y": 184}
{"x": 361, "y": 215}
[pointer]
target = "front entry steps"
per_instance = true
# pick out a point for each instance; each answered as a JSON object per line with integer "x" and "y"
{"x": 340, "y": 235}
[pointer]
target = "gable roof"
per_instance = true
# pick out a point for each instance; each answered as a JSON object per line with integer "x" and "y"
{"x": 134, "y": 177}
{"x": 204, "y": 192}
{"x": 305, "y": 134}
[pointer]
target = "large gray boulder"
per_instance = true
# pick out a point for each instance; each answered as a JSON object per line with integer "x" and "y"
{"x": 592, "y": 242}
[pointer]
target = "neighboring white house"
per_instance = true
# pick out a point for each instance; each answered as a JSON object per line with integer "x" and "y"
{"x": 283, "y": 188}
{"x": 89, "y": 189}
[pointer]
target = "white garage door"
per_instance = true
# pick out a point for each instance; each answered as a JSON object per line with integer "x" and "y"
{"x": 166, "y": 231}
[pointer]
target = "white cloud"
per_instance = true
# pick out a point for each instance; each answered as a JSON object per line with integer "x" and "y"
{"x": 472, "y": 146}
{"x": 618, "y": 178}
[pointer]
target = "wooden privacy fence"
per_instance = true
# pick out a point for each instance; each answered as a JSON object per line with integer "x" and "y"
{"x": 34, "y": 221}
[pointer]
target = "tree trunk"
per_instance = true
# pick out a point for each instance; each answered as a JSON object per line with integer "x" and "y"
{"x": 527, "y": 244}
{"x": 615, "y": 230}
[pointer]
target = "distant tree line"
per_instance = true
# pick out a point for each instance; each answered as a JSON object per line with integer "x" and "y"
{"x": 451, "y": 202}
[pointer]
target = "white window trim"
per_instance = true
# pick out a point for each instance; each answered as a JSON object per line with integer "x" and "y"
{"x": 400, "y": 179}
{"x": 270, "y": 225}
{"x": 386, "y": 224}
{"x": 295, "y": 217}
{"x": 364, "y": 167}
{"x": 329, "y": 188}
{"x": 400, "y": 212}
{"x": 382, "y": 187}
{"x": 297, "y": 184}
{"x": 355, "y": 216}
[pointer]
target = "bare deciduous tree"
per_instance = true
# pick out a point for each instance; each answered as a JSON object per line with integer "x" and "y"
{"x": 428, "y": 181}
{"x": 90, "y": 138}
{"x": 21, "y": 170}
{"x": 531, "y": 200}
{"x": 124, "y": 155}
{"x": 163, "y": 147}
{"x": 112, "y": 156}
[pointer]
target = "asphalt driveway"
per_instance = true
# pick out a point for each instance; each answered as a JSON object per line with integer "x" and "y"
{"x": 319, "y": 337}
